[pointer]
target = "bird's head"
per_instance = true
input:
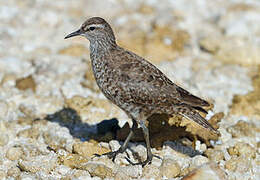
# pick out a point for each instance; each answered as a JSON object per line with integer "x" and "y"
{"x": 94, "y": 29}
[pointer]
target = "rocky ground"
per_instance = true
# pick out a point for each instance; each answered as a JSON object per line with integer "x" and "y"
{"x": 53, "y": 118}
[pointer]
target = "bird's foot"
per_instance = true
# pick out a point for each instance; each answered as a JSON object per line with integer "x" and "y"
{"x": 143, "y": 163}
{"x": 111, "y": 155}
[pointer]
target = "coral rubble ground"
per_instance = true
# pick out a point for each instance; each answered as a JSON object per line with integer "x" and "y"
{"x": 53, "y": 117}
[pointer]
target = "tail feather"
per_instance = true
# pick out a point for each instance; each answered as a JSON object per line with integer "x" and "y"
{"x": 191, "y": 114}
{"x": 200, "y": 109}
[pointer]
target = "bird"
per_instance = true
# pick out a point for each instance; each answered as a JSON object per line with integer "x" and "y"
{"x": 135, "y": 85}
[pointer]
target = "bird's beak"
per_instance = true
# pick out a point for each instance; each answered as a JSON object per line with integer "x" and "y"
{"x": 76, "y": 33}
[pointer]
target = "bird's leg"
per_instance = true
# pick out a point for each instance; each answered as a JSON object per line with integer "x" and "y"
{"x": 148, "y": 147}
{"x": 112, "y": 155}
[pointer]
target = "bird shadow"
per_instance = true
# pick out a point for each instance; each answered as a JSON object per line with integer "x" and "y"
{"x": 161, "y": 132}
{"x": 69, "y": 118}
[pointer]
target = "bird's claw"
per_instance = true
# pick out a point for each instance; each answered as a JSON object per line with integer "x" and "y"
{"x": 111, "y": 155}
{"x": 143, "y": 163}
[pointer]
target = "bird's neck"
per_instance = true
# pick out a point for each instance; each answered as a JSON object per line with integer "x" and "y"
{"x": 99, "y": 47}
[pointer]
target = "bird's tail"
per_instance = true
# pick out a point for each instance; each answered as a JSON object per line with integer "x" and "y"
{"x": 193, "y": 115}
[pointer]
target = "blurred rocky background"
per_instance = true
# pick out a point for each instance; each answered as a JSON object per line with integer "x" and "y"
{"x": 53, "y": 118}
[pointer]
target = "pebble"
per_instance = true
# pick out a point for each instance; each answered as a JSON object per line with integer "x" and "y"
{"x": 242, "y": 149}
{"x": 4, "y": 138}
{"x": 14, "y": 172}
{"x": 88, "y": 149}
{"x": 114, "y": 145}
{"x": 169, "y": 168}
{"x": 99, "y": 170}
{"x": 151, "y": 171}
{"x": 2, "y": 174}
{"x": 27, "y": 176}
{"x": 240, "y": 164}
{"x": 39, "y": 163}
{"x": 72, "y": 160}
{"x": 129, "y": 172}
{"x": 215, "y": 155}
{"x": 199, "y": 160}
{"x": 209, "y": 171}
{"x": 14, "y": 153}
{"x": 4, "y": 109}
{"x": 63, "y": 170}
{"x": 81, "y": 174}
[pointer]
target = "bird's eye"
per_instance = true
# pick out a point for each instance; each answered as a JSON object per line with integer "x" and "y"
{"x": 91, "y": 28}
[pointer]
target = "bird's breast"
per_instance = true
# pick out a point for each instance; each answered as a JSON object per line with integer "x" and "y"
{"x": 105, "y": 78}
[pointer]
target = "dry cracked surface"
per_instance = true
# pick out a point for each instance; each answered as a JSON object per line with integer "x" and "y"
{"x": 53, "y": 118}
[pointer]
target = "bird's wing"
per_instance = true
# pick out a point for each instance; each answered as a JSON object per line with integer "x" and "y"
{"x": 148, "y": 84}
{"x": 190, "y": 99}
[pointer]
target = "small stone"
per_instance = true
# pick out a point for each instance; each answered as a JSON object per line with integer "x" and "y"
{"x": 121, "y": 175}
{"x": 130, "y": 171}
{"x": 209, "y": 171}
{"x": 203, "y": 147}
{"x": 99, "y": 170}
{"x": 4, "y": 138}
{"x": 151, "y": 172}
{"x": 62, "y": 169}
{"x": 28, "y": 111}
{"x": 14, "y": 153}
{"x": 26, "y": 83}
{"x": 9, "y": 78}
{"x": 44, "y": 163}
{"x": 73, "y": 160}
{"x": 185, "y": 171}
{"x": 58, "y": 136}
{"x": 199, "y": 160}
{"x": 27, "y": 176}
{"x": 240, "y": 164}
{"x": 2, "y": 174}
{"x": 87, "y": 149}
{"x": 29, "y": 133}
{"x": 139, "y": 152}
{"x": 242, "y": 149}
{"x": 13, "y": 172}
{"x": 81, "y": 174}
{"x": 209, "y": 44}
{"x": 241, "y": 128}
{"x": 24, "y": 120}
{"x": 170, "y": 168}
{"x": 114, "y": 145}
{"x": 4, "y": 109}
{"x": 215, "y": 155}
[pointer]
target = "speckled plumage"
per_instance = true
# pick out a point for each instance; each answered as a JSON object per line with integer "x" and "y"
{"x": 134, "y": 84}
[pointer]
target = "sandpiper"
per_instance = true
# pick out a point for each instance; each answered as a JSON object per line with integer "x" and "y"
{"x": 135, "y": 85}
